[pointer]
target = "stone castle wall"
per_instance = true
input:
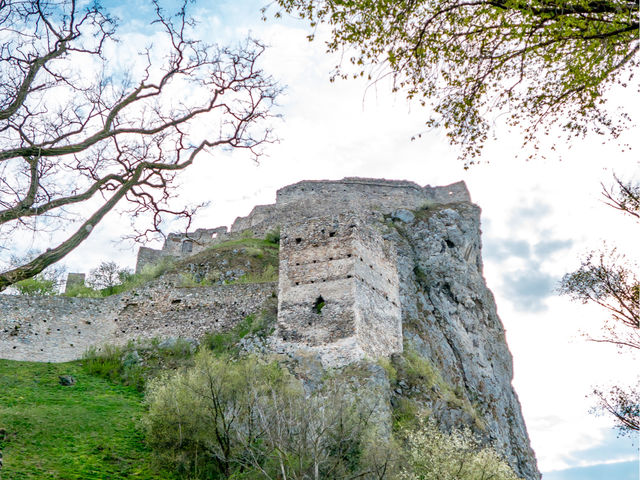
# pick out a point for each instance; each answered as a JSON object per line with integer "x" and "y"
{"x": 359, "y": 278}
{"x": 309, "y": 199}
{"x": 316, "y": 287}
{"x": 330, "y": 253}
{"x": 338, "y": 283}
{"x": 52, "y": 329}
{"x": 58, "y": 329}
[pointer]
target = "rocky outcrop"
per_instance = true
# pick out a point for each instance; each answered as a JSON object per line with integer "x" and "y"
{"x": 449, "y": 320}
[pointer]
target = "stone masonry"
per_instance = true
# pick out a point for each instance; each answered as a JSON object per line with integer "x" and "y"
{"x": 59, "y": 329}
{"x": 338, "y": 282}
{"x": 310, "y": 199}
{"x": 338, "y": 289}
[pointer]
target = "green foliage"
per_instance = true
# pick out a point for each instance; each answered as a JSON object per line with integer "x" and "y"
{"x": 36, "y": 286}
{"x": 268, "y": 274}
{"x": 392, "y": 373}
{"x": 260, "y": 325}
{"x": 83, "y": 291}
{"x": 87, "y": 431}
{"x": 434, "y": 455}
{"x": 406, "y": 412}
{"x": 128, "y": 280}
{"x": 419, "y": 373}
{"x": 319, "y": 305}
{"x": 537, "y": 63}
{"x": 107, "y": 276}
{"x": 245, "y": 418}
{"x": 257, "y": 258}
{"x": 195, "y": 415}
{"x": 273, "y": 236}
{"x": 137, "y": 362}
{"x": 188, "y": 280}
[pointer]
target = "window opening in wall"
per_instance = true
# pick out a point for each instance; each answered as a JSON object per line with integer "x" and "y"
{"x": 319, "y": 305}
{"x": 332, "y": 234}
{"x": 187, "y": 246}
{"x": 298, "y": 240}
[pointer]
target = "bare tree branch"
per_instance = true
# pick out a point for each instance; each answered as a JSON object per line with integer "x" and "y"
{"x": 79, "y": 135}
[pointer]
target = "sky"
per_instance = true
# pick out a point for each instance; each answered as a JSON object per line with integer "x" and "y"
{"x": 539, "y": 217}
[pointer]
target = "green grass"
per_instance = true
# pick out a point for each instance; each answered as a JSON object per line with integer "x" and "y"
{"x": 86, "y": 431}
{"x": 138, "y": 361}
{"x": 256, "y": 256}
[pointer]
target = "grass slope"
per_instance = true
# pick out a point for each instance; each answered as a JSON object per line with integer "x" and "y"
{"x": 85, "y": 431}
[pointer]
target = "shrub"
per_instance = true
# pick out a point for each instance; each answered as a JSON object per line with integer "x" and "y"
{"x": 36, "y": 286}
{"x": 260, "y": 325}
{"x": 83, "y": 291}
{"x": 433, "y": 455}
{"x": 127, "y": 280}
{"x": 188, "y": 280}
{"x": 251, "y": 419}
{"x": 273, "y": 236}
{"x": 269, "y": 274}
{"x": 137, "y": 362}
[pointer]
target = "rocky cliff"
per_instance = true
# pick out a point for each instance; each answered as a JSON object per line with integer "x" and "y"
{"x": 449, "y": 320}
{"x": 375, "y": 276}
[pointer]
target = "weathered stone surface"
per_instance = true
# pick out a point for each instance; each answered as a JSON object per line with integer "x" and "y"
{"x": 338, "y": 282}
{"x": 59, "y": 329}
{"x": 449, "y": 318}
{"x": 404, "y": 215}
{"x": 310, "y": 199}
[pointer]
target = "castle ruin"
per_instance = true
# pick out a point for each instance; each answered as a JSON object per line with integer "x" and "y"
{"x": 367, "y": 268}
{"x": 338, "y": 287}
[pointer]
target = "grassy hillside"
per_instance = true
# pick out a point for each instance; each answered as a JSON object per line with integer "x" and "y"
{"x": 86, "y": 431}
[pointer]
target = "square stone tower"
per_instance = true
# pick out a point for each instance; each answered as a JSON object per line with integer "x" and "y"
{"x": 338, "y": 284}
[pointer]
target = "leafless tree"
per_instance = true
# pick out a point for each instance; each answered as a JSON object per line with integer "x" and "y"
{"x": 82, "y": 131}
{"x": 107, "y": 275}
{"x": 609, "y": 280}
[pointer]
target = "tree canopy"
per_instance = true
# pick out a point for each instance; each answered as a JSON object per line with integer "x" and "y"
{"x": 543, "y": 65}
{"x": 90, "y": 120}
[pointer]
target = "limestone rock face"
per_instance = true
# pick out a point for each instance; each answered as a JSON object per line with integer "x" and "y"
{"x": 449, "y": 319}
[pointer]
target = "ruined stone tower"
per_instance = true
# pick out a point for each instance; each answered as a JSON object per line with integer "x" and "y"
{"x": 338, "y": 285}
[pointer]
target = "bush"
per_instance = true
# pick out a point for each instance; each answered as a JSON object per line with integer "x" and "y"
{"x": 433, "y": 455}
{"x": 260, "y": 325}
{"x": 36, "y": 286}
{"x": 250, "y": 419}
{"x": 137, "y": 362}
{"x": 83, "y": 291}
{"x": 273, "y": 236}
{"x": 122, "y": 279}
{"x": 269, "y": 274}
